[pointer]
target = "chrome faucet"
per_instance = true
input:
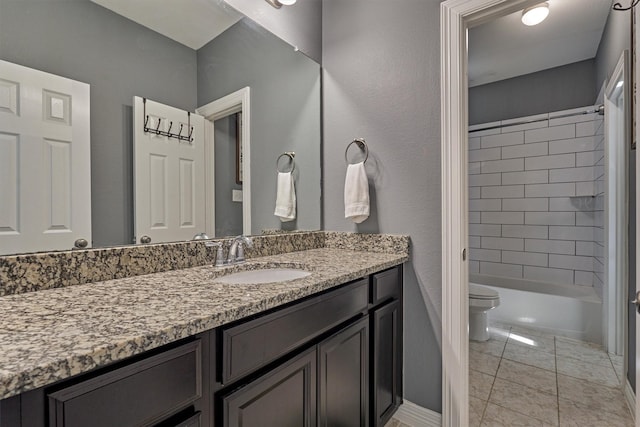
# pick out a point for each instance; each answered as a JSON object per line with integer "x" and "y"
{"x": 236, "y": 251}
{"x": 219, "y": 255}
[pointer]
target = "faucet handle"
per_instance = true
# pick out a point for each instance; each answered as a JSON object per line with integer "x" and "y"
{"x": 240, "y": 253}
{"x": 219, "y": 254}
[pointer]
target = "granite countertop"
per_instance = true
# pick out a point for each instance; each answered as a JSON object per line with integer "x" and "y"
{"x": 50, "y": 335}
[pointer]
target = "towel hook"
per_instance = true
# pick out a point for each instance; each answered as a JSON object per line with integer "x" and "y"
{"x": 363, "y": 146}
{"x": 291, "y": 155}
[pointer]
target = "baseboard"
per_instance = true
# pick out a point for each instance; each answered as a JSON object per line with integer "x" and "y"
{"x": 630, "y": 397}
{"x": 416, "y": 416}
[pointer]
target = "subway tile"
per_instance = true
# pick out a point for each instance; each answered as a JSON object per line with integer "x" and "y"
{"x": 474, "y": 217}
{"x": 527, "y": 205}
{"x": 503, "y": 243}
{"x": 526, "y": 126}
{"x": 575, "y": 112}
{"x": 585, "y": 129}
{"x": 550, "y": 246}
{"x": 587, "y": 158}
{"x": 525, "y": 258}
{"x": 474, "y": 168}
{"x": 550, "y": 190}
{"x": 585, "y": 143}
{"x": 598, "y": 172}
{"x": 496, "y": 125}
{"x": 564, "y": 204}
{"x": 584, "y": 278}
{"x": 484, "y": 154}
{"x": 550, "y": 133}
{"x": 598, "y": 234}
{"x": 498, "y": 269}
{"x": 572, "y": 262}
{"x": 577, "y": 118}
{"x": 485, "y": 205}
{"x": 484, "y": 255}
{"x": 550, "y": 162}
{"x": 550, "y": 275}
{"x": 571, "y": 233}
{"x": 529, "y": 177}
{"x": 526, "y": 150}
{"x": 474, "y": 241}
{"x": 572, "y": 174}
{"x": 484, "y": 230}
{"x": 585, "y": 248}
{"x": 474, "y": 143}
{"x": 586, "y": 218}
{"x": 526, "y": 231}
{"x": 474, "y": 192}
{"x": 511, "y": 165}
{"x": 511, "y": 138}
{"x": 585, "y": 189}
{"x": 541, "y": 117}
{"x": 503, "y": 192}
{"x": 502, "y": 217}
{"x": 485, "y": 179}
{"x": 550, "y": 218}
{"x": 474, "y": 267}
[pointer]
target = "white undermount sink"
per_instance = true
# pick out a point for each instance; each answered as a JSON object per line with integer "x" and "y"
{"x": 269, "y": 275}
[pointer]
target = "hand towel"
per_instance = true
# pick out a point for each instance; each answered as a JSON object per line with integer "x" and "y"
{"x": 285, "y": 197}
{"x": 356, "y": 193}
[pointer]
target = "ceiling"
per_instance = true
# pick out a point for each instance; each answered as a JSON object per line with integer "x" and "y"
{"x": 192, "y": 23}
{"x": 506, "y": 48}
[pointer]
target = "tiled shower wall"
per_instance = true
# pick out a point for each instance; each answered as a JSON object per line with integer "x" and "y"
{"x": 532, "y": 208}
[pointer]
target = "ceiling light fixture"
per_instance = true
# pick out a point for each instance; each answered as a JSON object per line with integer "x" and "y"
{"x": 279, "y": 3}
{"x": 535, "y": 14}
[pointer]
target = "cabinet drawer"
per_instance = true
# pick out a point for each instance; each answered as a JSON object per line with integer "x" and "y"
{"x": 253, "y": 344}
{"x": 386, "y": 285}
{"x": 135, "y": 395}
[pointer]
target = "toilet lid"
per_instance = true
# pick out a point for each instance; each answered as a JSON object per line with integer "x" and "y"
{"x": 481, "y": 292}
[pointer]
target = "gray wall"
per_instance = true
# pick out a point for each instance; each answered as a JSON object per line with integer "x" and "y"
{"x": 616, "y": 37}
{"x": 285, "y": 115}
{"x": 555, "y": 89}
{"x": 299, "y": 25}
{"x": 80, "y": 40}
{"x": 380, "y": 82}
{"x": 228, "y": 212}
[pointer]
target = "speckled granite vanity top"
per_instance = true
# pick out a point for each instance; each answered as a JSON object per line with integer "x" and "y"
{"x": 49, "y": 335}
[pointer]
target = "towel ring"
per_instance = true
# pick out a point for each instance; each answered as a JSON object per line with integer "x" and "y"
{"x": 291, "y": 155}
{"x": 363, "y": 146}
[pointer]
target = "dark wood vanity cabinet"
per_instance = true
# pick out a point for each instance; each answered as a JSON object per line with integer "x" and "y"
{"x": 331, "y": 359}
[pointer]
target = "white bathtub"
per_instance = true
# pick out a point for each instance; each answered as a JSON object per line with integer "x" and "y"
{"x": 566, "y": 310}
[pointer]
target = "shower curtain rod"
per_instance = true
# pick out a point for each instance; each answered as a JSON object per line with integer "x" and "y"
{"x": 598, "y": 109}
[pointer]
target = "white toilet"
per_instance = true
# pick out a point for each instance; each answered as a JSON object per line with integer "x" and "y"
{"x": 481, "y": 300}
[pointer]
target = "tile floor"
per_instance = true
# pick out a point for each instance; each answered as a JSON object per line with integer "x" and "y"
{"x": 522, "y": 377}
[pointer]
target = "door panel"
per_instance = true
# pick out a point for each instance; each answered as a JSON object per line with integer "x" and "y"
{"x": 45, "y": 175}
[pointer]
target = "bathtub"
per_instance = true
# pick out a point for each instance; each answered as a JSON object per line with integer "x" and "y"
{"x": 565, "y": 310}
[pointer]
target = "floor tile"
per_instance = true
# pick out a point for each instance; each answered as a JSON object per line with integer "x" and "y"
{"x": 530, "y": 356}
{"x": 480, "y": 384}
{"x": 525, "y": 400}
{"x": 530, "y": 332}
{"x": 483, "y": 362}
{"x": 476, "y": 410}
{"x": 595, "y": 396}
{"x": 533, "y": 377}
{"x": 540, "y": 343}
{"x": 576, "y": 415}
{"x": 499, "y": 331}
{"x": 582, "y": 351}
{"x": 497, "y": 416}
{"x": 493, "y": 347}
{"x": 618, "y": 366}
{"x": 604, "y": 375}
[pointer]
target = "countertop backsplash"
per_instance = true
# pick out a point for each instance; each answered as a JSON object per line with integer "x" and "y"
{"x": 48, "y": 270}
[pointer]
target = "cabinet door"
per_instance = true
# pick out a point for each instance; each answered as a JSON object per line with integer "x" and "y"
{"x": 344, "y": 373}
{"x": 285, "y": 397}
{"x": 387, "y": 362}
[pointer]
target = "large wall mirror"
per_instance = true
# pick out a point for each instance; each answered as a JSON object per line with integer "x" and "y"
{"x": 187, "y": 55}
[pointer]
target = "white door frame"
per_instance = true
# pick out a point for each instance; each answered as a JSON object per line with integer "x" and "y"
{"x": 456, "y": 16}
{"x": 238, "y": 101}
{"x": 616, "y": 202}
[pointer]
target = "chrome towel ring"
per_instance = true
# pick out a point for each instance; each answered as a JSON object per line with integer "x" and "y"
{"x": 291, "y": 155}
{"x": 363, "y": 146}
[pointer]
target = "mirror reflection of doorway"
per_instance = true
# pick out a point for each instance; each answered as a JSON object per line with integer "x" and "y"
{"x": 228, "y": 176}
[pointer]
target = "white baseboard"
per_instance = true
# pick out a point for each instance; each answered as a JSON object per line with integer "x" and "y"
{"x": 416, "y": 416}
{"x": 630, "y": 397}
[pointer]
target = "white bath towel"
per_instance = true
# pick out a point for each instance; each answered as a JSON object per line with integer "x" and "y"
{"x": 285, "y": 197}
{"x": 356, "y": 193}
